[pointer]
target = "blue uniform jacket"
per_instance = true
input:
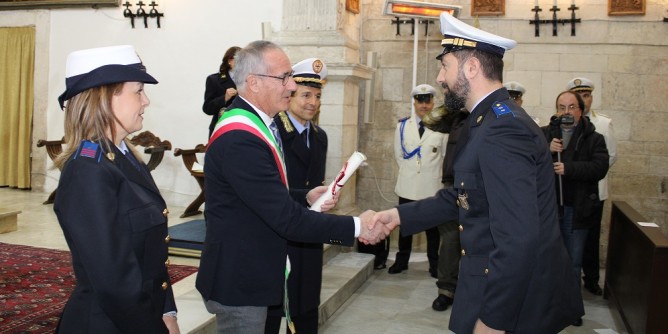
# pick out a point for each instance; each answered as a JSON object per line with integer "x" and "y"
{"x": 515, "y": 274}
{"x": 115, "y": 224}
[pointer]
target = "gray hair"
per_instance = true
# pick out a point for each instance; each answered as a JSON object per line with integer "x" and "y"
{"x": 250, "y": 60}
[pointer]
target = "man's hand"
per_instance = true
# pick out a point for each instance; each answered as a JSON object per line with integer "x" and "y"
{"x": 230, "y": 93}
{"x": 389, "y": 218}
{"x": 556, "y": 145}
{"x": 316, "y": 192}
{"x": 371, "y": 235}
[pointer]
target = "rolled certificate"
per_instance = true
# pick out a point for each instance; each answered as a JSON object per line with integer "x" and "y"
{"x": 349, "y": 168}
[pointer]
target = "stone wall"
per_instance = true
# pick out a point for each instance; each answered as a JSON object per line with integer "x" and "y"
{"x": 625, "y": 56}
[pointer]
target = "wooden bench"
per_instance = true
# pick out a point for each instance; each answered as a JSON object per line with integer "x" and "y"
{"x": 8, "y": 220}
{"x": 53, "y": 149}
{"x": 152, "y": 145}
{"x": 189, "y": 159}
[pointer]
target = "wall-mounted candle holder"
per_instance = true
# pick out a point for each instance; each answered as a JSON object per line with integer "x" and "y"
{"x": 554, "y": 21}
{"x": 141, "y": 13}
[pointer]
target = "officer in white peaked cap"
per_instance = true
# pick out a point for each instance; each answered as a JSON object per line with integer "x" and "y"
{"x": 515, "y": 273}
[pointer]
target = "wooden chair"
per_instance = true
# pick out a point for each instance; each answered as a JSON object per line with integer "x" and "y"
{"x": 153, "y": 146}
{"x": 189, "y": 159}
{"x": 53, "y": 149}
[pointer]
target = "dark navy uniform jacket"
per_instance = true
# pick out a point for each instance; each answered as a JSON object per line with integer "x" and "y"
{"x": 250, "y": 217}
{"x": 515, "y": 274}
{"x": 115, "y": 224}
{"x": 306, "y": 170}
{"x": 214, "y": 96}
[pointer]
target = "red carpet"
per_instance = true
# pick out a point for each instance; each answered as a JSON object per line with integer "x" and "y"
{"x": 35, "y": 284}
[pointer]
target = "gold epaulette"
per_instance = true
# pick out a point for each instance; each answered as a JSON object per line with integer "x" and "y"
{"x": 286, "y": 122}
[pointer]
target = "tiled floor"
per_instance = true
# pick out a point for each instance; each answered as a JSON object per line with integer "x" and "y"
{"x": 384, "y": 304}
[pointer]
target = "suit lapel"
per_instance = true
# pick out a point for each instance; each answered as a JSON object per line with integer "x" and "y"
{"x": 133, "y": 174}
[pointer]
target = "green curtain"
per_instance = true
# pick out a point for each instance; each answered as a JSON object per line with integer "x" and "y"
{"x": 17, "y": 64}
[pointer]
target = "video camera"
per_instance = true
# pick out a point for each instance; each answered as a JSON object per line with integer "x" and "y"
{"x": 558, "y": 121}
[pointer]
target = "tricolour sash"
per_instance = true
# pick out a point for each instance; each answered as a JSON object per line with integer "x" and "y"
{"x": 240, "y": 119}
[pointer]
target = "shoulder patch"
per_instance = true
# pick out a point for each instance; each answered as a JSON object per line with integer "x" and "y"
{"x": 89, "y": 149}
{"x": 501, "y": 109}
{"x": 403, "y": 119}
{"x": 286, "y": 121}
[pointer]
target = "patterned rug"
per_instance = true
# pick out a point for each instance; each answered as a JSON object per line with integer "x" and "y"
{"x": 35, "y": 284}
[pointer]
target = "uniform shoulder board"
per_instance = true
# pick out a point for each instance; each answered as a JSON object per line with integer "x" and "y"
{"x": 89, "y": 150}
{"x": 404, "y": 119}
{"x": 286, "y": 122}
{"x": 501, "y": 109}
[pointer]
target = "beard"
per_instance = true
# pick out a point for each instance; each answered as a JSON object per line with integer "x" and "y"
{"x": 455, "y": 96}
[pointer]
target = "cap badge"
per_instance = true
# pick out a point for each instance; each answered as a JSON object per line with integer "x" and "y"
{"x": 578, "y": 82}
{"x": 317, "y": 66}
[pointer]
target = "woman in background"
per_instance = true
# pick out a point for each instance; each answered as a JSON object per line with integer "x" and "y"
{"x": 220, "y": 88}
{"x": 111, "y": 212}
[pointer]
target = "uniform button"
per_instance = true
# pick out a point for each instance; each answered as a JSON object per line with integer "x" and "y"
{"x": 165, "y": 212}
{"x": 167, "y": 263}
{"x": 463, "y": 252}
{"x": 168, "y": 238}
{"x": 164, "y": 285}
{"x": 461, "y": 228}
{"x": 462, "y": 184}
{"x": 486, "y": 271}
{"x": 307, "y": 182}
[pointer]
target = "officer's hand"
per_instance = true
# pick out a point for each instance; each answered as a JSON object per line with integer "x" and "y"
{"x": 556, "y": 145}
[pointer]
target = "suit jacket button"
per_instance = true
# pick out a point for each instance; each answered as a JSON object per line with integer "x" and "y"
{"x": 167, "y": 239}
{"x": 164, "y": 285}
{"x": 461, "y": 228}
{"x": 463, "y": 252}
{"x": 165, "y": 212}
{"x": 486, "y": 271}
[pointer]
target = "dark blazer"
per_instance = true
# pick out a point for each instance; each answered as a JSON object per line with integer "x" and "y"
{"x": 586, "y": 162}
{"x": 515, "y": 274}
{"x": 115, "y": 224}
{"x": 214, "y": 96}
{"x": 306, "y": 170}
{"x": 250, "y": 216}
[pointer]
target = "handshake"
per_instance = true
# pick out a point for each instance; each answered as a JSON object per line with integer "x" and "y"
{"x": 376, "y": 226}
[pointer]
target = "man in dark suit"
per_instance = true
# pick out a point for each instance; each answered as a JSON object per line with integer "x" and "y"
{"x": 305, "y": 156}
{"x": 250, "y": 213}
{"x": 515, "y": 273}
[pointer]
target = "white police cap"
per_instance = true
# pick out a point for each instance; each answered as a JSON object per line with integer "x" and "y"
{"x": 91, "y": 68}
{"x": 310, "y": 72}
{"x": 514, "y": 86}
{"x": 580, "y": 84}
{"x": 458, "y": 36}
{"x": 423, "y": 89}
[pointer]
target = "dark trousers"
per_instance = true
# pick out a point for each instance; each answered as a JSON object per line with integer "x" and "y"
{"x": 590, "y": 257}
{"x": 406, "y": 245}
{"x": 448, "y": 258}
{"x": 380, "y": 250}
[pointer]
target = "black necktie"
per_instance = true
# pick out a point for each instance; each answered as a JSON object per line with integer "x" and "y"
{"x": 304, "y": 136}
{"x": 421, "y": 129}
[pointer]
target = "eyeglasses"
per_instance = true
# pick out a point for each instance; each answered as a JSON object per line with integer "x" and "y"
{"x": 284, "y": 78}
{"x": 563, "y": 108}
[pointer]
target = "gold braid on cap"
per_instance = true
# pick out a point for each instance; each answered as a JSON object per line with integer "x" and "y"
{"x": 458, "y": 42}
{"x": 314, "y": 80}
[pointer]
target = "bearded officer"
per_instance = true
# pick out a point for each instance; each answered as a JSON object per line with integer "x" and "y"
{"x": 515, "y": 273}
